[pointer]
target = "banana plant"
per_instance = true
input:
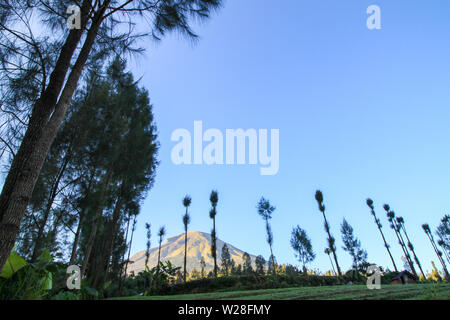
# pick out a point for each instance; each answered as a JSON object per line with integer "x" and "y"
{"x": 156, "y": 277}
{"x": 29, "y": 281}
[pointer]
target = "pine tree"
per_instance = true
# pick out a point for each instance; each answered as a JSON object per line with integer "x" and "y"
{"x": 260, "y": 263}
{"x": 203, "y": 267}
{"x": 353, "y": 246}
{"x": 265, "y": 210}
{"x": 443, "y": 232}
{"x": 302, "y": 246}
{"x": 247, "y": 267}
{"x": 57, "y": 67}
{"x": 226, "y": 260}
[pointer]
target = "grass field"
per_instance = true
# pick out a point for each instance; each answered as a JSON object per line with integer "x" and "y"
{"x": 356, "y": 292}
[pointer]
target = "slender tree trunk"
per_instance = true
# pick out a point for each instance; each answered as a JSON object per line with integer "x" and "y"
{"x": 96, "y": 221}
{"x": 76, "y": 239}
{"x": 404, "y": 248}
{"x": 447, "y": 257}
{"x": 398, "y": 238}
{"x": 270, "y": 245}
{"x": 304, "y": 266}
{"x": 408, "y": 257}
{"x": 51, "y": 200}
{"x": 109, "y": 242}
{"x": 81, "y": 217}
{"x": 185, "y": 251}
{"x": 430, "y": 236}
{"x": 384, "y": 240}
{"x": 387, "y": 248}
{"x": 412, "y": 249}
{"x": 129, "y": 254}
{"x": 215, "y": 247}
{"x": 332, "y": 249}
{"x": 45, "y": 120}
{"x": 332, "y": 265}
{"x": 123, "y": 258}
{"x": 159, "y": 253}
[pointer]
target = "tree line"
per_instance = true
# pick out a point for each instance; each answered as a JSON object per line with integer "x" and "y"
{"x": 98, "y": 171}
{"x": 303, "y": 249}
{"x": 41, "y": 69}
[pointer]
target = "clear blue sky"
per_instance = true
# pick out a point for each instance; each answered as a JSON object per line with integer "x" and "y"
{"x": 361, "y": 114}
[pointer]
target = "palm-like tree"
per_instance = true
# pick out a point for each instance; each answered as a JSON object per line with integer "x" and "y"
{"x": 147, "y": 252}
{"x": 391, "y": 217}
{"x": 378, "y": 223}
{"x": 161, "y": 234}
{"x": 265, "y": 210}
{"x": 214, "y": 198}
{"x": 427, "y": 230}
{"x": 441, "y": 243}
{"x": 331, "y": 240}
{"x": 328, "y": 252}
{"x": 401, "y": 224}
{"x": 443, "y": 232}
{"x": 186, "y": 220}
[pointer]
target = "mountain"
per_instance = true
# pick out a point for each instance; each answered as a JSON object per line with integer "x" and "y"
{"x": 199, "y": 245}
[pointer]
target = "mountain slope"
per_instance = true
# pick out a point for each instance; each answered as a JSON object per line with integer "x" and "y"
{"x": 199, "y": 244}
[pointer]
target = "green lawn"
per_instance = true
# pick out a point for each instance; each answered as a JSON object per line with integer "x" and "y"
{"x": 356, "y": 292}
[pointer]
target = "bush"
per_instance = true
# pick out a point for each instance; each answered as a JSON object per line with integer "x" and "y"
{"x": 250, "y": 282}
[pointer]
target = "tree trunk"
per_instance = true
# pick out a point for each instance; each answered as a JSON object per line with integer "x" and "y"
{"x": 185, "y": 253}
{"x": 76, "y": 240}
{"x": 45, "y": 120}
{"x": 215, "y": 247}
{"x": 109, "y": 242}
{"x": 129, "y": 253}
{"x": 332, "y": 249}
{"x": 332, "y": 265}
{"x": 414, "y": 253}
{"x": 446, "y": 274}
{"x": 53, "y": 193}
{"x": 96, "y": 221}
{"x": 80, "y": 221}
{"x": 403, "y": 245}
{"x": 387, "y": 248}
{"x": 384, "y": 240}
{"x": 270, "y": 245}
{"x": 159, "y": 253}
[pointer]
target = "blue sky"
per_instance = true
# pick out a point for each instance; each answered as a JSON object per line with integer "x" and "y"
{"x": 361, "y": 114}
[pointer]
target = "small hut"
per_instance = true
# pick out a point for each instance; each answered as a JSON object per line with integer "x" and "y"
{"x": 404, "y": 277}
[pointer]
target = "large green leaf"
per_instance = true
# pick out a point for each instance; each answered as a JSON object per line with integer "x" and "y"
{"x": 13, "y": 264}
{"x": 47, "y": 281}
{"x": 45, "y": 256}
